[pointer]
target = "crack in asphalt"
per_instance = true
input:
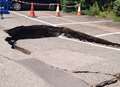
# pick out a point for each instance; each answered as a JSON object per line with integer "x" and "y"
{"x": 104, "y": 83}
{"x": 23, "y": 50}
{"x": 107, "y": 82}
{"x": 56, "y": 74}
{"x": 91, "y": 72}
{"x": 45, "y": 31}
{"x": 48, "y": 67}
{"x": 101, "y": 84}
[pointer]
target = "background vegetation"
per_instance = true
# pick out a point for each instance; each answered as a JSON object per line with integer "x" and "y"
{"x": 101, "y": 8}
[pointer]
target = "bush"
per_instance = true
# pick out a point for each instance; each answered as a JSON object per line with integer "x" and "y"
{"x": 67, "y": 5}
{"x": 116, "y": 18}
{"x": 116, "y": 7}
{"x": 107, "y": 14}
{"x": 94, "y": 10}
{"x": 103, "y": 14}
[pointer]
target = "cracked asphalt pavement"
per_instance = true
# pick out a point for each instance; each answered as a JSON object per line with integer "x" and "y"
{"x": 58, "y": 62}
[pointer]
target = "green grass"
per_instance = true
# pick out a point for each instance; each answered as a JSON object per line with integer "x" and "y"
{"x": 116, "y": 18}
{"x": 110, "y": 15}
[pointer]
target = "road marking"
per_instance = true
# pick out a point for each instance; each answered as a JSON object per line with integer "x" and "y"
{"x": 53, "y": 16}
{"x": 107, "y": 34}
{"x": 105, "y": 28}
{"x": 88, "y": 43}
{"x": 61, "y": 37}
{"x": 84, "y": 22}
{"x": 73, "y": 22}
{"x": 45, "y": 16}
{"x": 34, "y": 19}
{"x": 64, "y": 19}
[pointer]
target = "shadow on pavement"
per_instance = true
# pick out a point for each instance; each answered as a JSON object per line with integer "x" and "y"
{"x": 53, "y": 76}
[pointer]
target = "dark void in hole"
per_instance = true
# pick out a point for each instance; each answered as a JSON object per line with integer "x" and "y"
{"x": 44, "y": 31}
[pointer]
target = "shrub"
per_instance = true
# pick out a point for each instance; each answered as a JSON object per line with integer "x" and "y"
{"x": 116, "y": 7}
{"x": 107, "y": 14}
{"x": 93, "y": 10}
{"x": 103, "y": 14}
{"x": 116, "y": 18}
{"x": 67, "y": 5}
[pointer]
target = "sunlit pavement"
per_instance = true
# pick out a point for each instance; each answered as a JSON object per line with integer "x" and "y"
{"x": 64, "y": 55}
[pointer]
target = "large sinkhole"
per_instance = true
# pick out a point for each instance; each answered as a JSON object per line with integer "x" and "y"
{"x": 45, "y": 31}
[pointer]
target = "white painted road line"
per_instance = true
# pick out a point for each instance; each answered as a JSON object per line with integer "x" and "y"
{"x": 88, "y": 43}
{"x": 66, "y": 19}
{"x": 45, "y": 16}
{"x": 61, "y": 37}
{"x": 34, "y": 19}
{"x": 61, "y": 18}
{"x": 84, "y": 22}
{"x": 107, "y": 34}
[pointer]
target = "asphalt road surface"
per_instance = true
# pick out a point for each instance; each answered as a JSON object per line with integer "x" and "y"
{"x": 53, "y": 60}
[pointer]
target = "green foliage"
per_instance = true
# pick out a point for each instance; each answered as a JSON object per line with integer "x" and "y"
{"x": 101, "y": 8}
{"x": 103, "y": 14}
{"x": 116, "y": 18}
{"x": 67, "y": 5}
{"x": 93, "y": 10}
{"x": 106, "y": 14}
{"x": 83, "y": 4}
{"x": 116, "y": 7}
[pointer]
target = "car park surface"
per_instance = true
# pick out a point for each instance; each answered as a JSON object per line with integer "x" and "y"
{"x": 63, "y": 54}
